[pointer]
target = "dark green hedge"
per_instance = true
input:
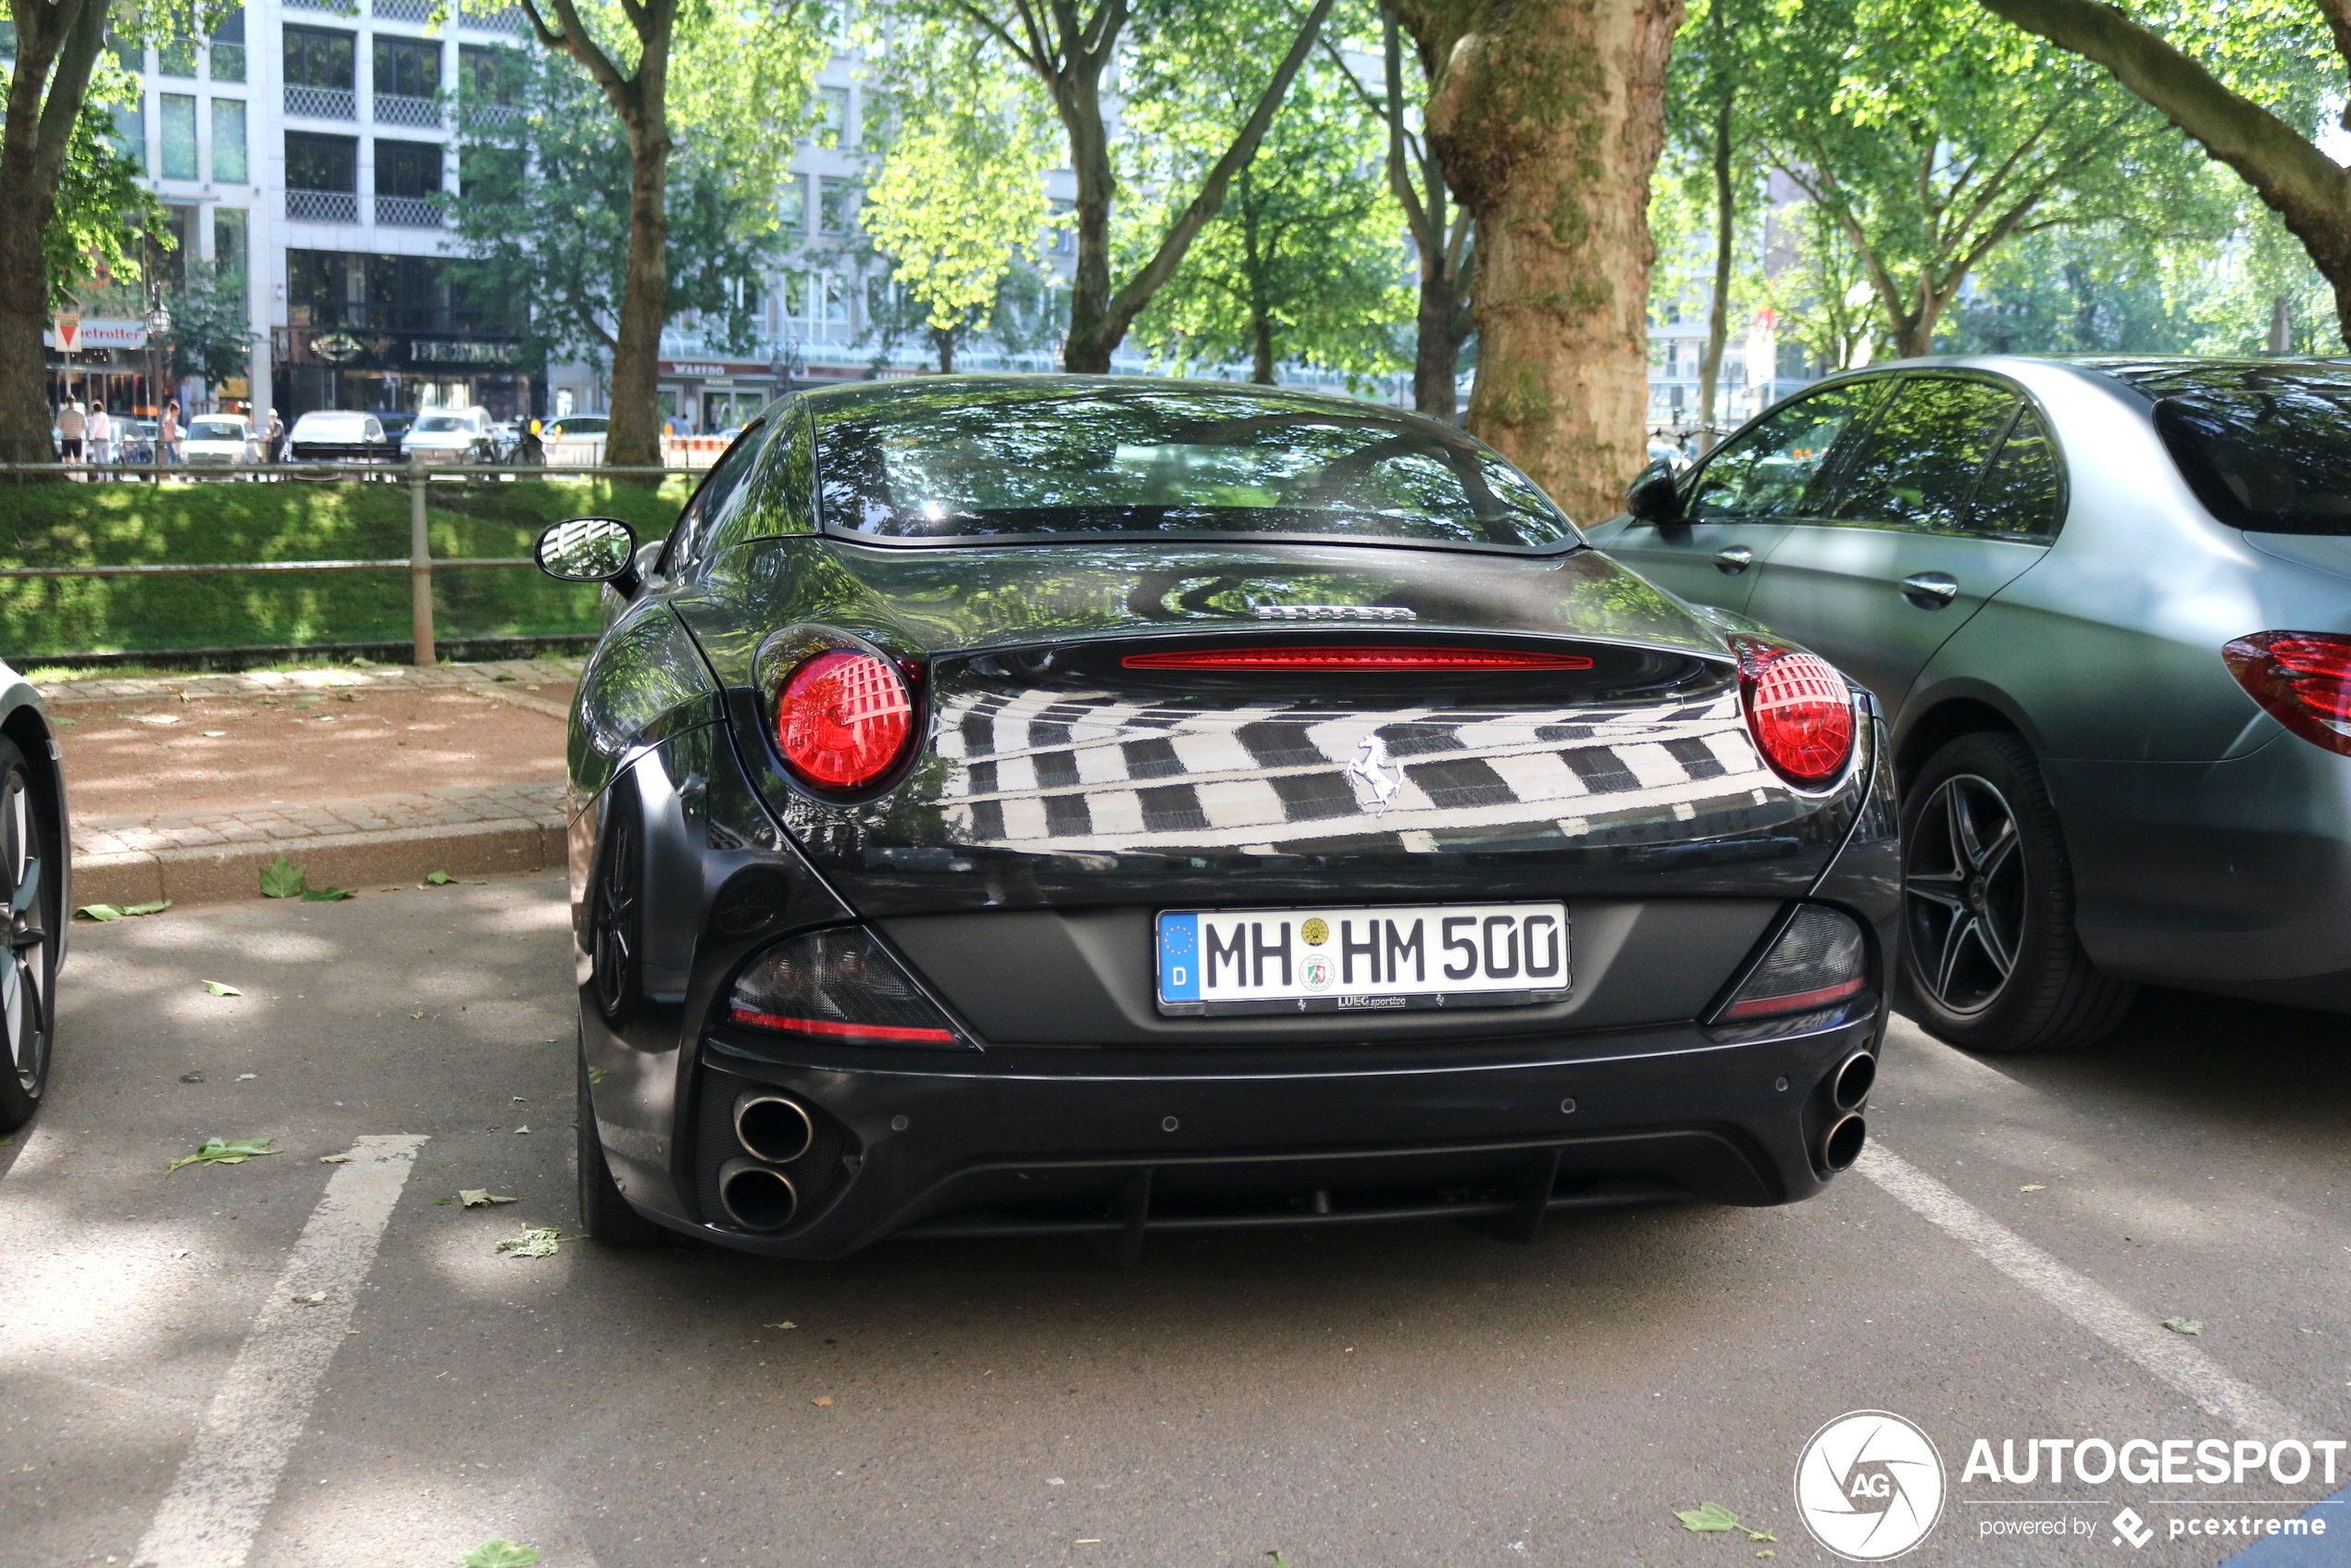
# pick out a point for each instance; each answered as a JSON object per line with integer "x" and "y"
{"x": 120, "y": 523}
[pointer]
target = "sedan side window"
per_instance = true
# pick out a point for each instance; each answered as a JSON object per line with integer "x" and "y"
{"x": 1918, "y": 467}
{"x": 1769, "y": 471}
{"x": 2022, "y": 495}
{"x": 711, "y": 504}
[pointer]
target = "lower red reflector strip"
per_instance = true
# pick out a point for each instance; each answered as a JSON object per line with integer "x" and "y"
{"x": 837, "y": 1031}
{"x": 1357, "y": 658}
{"x": 1795, "y": 1001}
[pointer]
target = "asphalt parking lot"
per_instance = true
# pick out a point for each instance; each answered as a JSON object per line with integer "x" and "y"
{"x": 1416, "y": 1396}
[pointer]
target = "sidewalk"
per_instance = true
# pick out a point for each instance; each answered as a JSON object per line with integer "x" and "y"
{"x": 215, "y": 847}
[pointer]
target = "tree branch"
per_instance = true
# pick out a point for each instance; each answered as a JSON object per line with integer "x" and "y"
{"x": 77, "y": 52}
{"x": 2291, "y": 176}
{"x": 1128, "y": 301}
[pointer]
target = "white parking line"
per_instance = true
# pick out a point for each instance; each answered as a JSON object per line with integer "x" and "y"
{"x": 2093, "y": 1306}
{"x": 225, "y": 1485}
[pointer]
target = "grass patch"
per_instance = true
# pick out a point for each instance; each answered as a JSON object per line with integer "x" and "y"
{"x": 137, "y": 523}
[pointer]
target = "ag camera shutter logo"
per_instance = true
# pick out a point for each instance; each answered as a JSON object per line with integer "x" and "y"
{"x": 1870, "y": 1485}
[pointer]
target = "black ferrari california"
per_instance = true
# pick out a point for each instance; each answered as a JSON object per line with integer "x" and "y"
{"x": 1098, "y": 808}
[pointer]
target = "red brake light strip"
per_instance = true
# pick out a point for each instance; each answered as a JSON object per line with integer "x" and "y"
{"x": 1357, "y": 658}
{"x": 838, "y": 1031}
{"x": 1795, "y": 1001}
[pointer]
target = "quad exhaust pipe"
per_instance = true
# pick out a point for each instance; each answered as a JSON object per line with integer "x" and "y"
{"x": 772, "y": 1126}
{"x": 1853, "y": 1081}
{"x": 1841, "y": 1143}
{"x": 756, "y": 1197}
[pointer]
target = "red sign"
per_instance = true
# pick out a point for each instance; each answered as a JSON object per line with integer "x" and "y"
{"x": 67, "y": 330}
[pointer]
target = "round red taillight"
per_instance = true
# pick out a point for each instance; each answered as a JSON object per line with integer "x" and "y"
{"x": 1799, "y": 709}
{"x": 843, "y": 719}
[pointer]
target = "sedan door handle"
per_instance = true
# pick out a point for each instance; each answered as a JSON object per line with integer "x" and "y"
{"x": 1930, "y": 590}
{"x": 1733, "y": 559}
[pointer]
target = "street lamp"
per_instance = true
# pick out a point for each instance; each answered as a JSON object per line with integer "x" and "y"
{"x": 158, "y": 324}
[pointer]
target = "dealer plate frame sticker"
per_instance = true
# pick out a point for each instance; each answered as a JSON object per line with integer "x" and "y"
{"x": 1221, "y": 962}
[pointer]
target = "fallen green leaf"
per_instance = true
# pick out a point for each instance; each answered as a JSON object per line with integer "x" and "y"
{"x": 598, "y": 1074}
{"x": 327, "y": 895}
{"x": 217, "y": 989}
{"x": 535, "y": 1241}
{"x": 1711, "y": 1517}
{"x": 439, "y": 879}
{"x": 499, "y": 1554}
{"x": 69, "y": 722}
{"x": 282, "y": 878}
{"x": 480, "y": 1197}
{"x": 157, "y": 907}
{"x": 247, "y": 1077}
{"x": 1761, "y": 1535}
{"x": 317, "y": 1299}
{"x": 224, "y": 1152}
{"x": 100, "y": 911}
{"x": 2183, "y": 1325}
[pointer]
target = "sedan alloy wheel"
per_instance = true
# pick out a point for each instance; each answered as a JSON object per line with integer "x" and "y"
{"x": 1964, "y": 892}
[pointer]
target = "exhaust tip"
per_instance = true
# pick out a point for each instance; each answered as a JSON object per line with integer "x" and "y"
{"x": 1854, "y": 1080}
{"x": 772, "y": 1126}
{"x": 756, "y": 1197}
{"x": 1841, "y": 1145}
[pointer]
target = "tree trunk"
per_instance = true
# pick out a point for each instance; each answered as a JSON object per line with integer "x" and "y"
{"x": 635, "y": 437}
{"x": 1086, "y": 350}
{"x": 56, "y": 46}
{"x": 944, "y": 343}
{"x": 1718, "y": 313}
{"x": 1437, "y": 348}
{"x": 1548, "y": 127}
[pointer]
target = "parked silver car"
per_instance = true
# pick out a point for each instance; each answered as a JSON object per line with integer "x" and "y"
{"x": 2107, "y": 604}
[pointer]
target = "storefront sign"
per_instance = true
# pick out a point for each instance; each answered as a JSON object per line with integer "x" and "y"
{"x": 67, "y": 334}
{"x": 90, "y": 335}
{"x": 689, "y": 368}
{"x": 337, "y": 348}
{"x": 443, "y": 351}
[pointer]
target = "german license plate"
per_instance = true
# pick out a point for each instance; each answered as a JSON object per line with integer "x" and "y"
{"x": 1369, "y": 960}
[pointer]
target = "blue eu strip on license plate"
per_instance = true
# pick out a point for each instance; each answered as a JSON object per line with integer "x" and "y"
{"x": 1264, "y": 961}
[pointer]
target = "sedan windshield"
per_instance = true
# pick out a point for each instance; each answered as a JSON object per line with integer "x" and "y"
{"x": 1175, "y": 463}
{"x": 2266, "y": 448}
{"x": 439, "y": 424}
{"x": 216, "y": 430}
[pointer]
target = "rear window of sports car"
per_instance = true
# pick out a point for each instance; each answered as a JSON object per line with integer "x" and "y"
{"x": 2266, "y": 450}
{"x": 1176, "y": 465}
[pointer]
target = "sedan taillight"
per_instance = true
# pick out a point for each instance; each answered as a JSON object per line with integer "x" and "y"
{"x": 836, "y": 985}
{"x": 843, "y": 719}
{"x": 2301, "y": 678}
{"x": 1817, "y": 959}
{"x": 1799, "y": 709}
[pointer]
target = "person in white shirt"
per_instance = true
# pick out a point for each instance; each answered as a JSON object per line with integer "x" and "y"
{"x": 101, "y": 434}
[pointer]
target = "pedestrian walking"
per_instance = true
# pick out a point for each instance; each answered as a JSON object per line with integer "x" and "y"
{"x": 274, "y": 441}
{"x": 100, "y": 434}
{"x": 71, "y": 427}
{"x": 529, "y": 451}
{"x": 167, "y": 436}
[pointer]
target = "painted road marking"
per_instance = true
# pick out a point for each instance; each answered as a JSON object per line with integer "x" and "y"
{"x": 2093, "y": 1306}
{"x": 225, "y": 1484}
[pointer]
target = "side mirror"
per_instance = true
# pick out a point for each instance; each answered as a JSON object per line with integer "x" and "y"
{"x": 1655, "y": 496}
{"x": 588, "y": 550}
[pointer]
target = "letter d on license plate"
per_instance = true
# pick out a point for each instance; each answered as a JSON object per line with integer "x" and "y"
{"x": 1227, "y": 961}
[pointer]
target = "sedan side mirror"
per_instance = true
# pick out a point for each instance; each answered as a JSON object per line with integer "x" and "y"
{"x": 589, "y": 549}
{"x": 1655, "y": 496}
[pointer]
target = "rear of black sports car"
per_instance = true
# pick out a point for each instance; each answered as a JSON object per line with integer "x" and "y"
{"x": 1099, "y": 809}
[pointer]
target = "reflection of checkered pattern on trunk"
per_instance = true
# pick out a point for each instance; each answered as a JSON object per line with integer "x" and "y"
{"x": 1077, "y": 771}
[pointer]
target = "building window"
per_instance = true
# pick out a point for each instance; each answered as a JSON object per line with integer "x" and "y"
{"x": 228, "y": 47}
{"x": 792, "y": 204}
{"x": 407, "y": 67}
{"x": 874, "y": 126}
{"x": 176, "y": 54}
{"x": 321, "y": 163}
{"x": 178, "y": 111}
{"x": 232, "y": 247}
{"x": 835, "y": 199}
{"x": 408, "y": 184}
{"x": 493, "y": 173}
{"x": 229, "y": 164}
{"x": 490, "y": 78}
{"x": 316, "y": 58}
{"x": 129, "y": 138}
{"x": 1063, "y": 238}
{"x": 832, "y": 117}
{"x": 131, "y": 57}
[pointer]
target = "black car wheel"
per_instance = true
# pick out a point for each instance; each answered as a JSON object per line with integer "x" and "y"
{"x": 604, "y": 1215}
{"x": 28, "y": 942}
{"x": 1989, "y": 952}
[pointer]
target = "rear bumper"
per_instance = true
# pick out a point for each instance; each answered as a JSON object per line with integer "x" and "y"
{"x": 1108, "y": 1151}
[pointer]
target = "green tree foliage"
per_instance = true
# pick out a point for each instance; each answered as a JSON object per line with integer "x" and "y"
{"x": 1304, "y": 264}
{"x": 958, "y": 205}
{"x": 212, "y": 334}
{"x": 103, "y": 215}
{"x": 1931, "y": 136}
{"x": 542, "y": 218}
{"x": 1024, "y": 317}
{"x": 1713, "y": 147}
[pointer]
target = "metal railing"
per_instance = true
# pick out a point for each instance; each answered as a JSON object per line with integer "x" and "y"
{"x": 408, "y": 212}
{"x": 398, "y": 108}
{"x": 419, "y": 563}
{"x": 322, "y": 206}
{"x": 321, "y": 103}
